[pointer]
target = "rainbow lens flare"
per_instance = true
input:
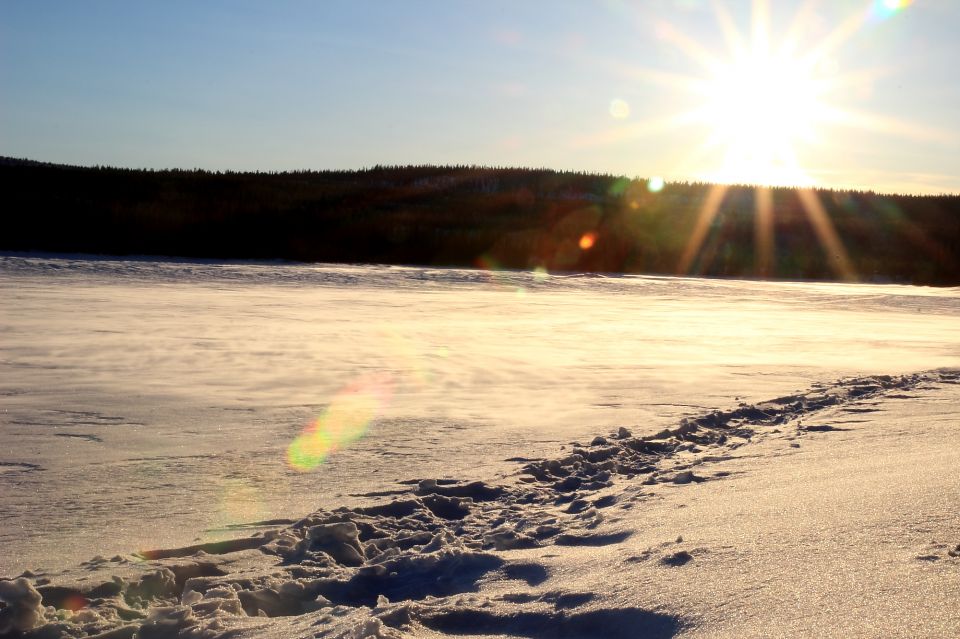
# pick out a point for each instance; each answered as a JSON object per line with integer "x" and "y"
{"x": 344, "y": 421}
{"x": 883, "y": 9}
{"x": 896, "y": 5}
{"x": 310, "y": 449}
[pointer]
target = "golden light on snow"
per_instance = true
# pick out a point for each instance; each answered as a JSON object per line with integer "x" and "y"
{"x": 241, "y": 502}
{"x": 407, "y": 357}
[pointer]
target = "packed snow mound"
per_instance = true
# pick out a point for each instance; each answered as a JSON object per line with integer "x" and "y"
{"x": 22, "y": 609}
{"x": 417, "y": 563}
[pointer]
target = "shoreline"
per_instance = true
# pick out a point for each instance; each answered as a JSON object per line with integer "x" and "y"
{"x": 186, "y": 260}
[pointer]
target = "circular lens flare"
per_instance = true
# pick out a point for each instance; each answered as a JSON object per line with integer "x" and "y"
{"x": 587, "y": 240}
{"x": 74, "y": 602}
{"x": 619, "y": 109}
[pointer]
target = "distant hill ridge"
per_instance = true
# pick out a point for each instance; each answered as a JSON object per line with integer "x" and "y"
{"x": 483, "y": 216}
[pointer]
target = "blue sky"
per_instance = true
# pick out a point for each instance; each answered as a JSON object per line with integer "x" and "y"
{"x": 609, "y": 86}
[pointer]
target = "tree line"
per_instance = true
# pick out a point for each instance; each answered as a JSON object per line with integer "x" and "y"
{"x": 478, "y": 216}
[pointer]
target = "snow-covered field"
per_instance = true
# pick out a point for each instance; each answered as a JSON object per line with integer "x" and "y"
{"x": 161, "y": 404}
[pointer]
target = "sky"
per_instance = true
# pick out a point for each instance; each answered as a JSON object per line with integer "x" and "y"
{"x": 836, "y": 93}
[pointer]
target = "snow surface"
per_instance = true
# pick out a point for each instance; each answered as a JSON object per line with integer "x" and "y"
{"x": 830, "y": 513}
{"x": 149, "y": 404}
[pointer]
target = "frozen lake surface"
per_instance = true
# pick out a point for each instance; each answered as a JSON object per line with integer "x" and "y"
{"x": 151, "y": 403}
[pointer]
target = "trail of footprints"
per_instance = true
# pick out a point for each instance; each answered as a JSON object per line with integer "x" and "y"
{"x": 419, "y": 560}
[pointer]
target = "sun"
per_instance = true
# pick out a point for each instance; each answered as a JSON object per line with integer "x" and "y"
{"x": 766, "y": 107}
{"x": 759, "y": 108}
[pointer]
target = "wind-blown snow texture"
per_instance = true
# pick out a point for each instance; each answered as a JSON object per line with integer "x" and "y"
{"x": 415, "y": 564}
{"x": 127, "y": 384}
{"x": 149, "y": 405}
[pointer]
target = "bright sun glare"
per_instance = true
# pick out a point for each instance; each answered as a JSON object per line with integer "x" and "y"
{"x": 759, "y": 108}
{"x": 760, "y": 105}
{"x": 765, "y": 102}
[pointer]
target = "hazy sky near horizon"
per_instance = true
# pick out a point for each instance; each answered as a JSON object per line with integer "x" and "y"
{"x": 840, "y": 93}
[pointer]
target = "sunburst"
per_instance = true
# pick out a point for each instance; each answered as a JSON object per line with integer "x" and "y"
{"x": 760, "y": 104}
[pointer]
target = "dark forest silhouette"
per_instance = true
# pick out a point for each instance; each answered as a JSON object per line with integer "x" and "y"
{"x": 468, "y": 216}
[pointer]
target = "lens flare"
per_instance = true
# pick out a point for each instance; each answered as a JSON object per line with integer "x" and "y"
{"x": 887, "y": 8}
{"x": 619, "y": 187}
{"x": 310, "y": 449}
{"x": 344, "y": 421}
{"x": 74, "y": 603}
{"x": 619, "y": 109}
{"x": 587, "y": 240}
{"x": 769, "y": 105}
{"x": 347, "y": 420}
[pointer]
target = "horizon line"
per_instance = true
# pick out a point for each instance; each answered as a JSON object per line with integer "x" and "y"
{"x": 6, "y": 160}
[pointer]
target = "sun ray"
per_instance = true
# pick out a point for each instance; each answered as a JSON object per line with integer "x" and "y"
{"x": 763, "y": 231}
{"x": 858, "y": 119}
{"x": 639, "y": 129}
{"x": 760, "y": 27}
{"x": 693, "y": 49}
{"x": 836, "y": 38}
{"x": 708, "y": 211}
{"x": 662, "y": 78}
{"x": 735, "y": 42}
{"x": 762, "y": 101}
{"x": 849, "y": 79}
{"x": 791, "y": 39}
{"x": 827, "y": 235}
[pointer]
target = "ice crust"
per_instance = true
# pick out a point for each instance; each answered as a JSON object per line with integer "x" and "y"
{"x": 415, "y": 564}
